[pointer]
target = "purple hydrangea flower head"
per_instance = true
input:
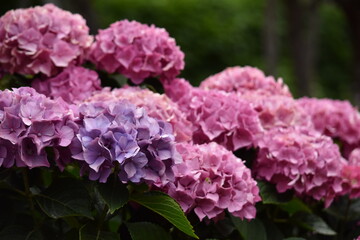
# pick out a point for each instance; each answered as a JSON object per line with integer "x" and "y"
{"x": 245, "y": 79}
{"x": 117, "y": 135}
{"x": 216, "y": 115}
{"x": 43, "y": 39}
{"x": 157, "y": 106}
{"x": 334, "y": 118}
{"x": 32, "y": 154}
{"x": 302, "y": 160}
{"x": 137, "y": 51}
{"x": 73, "y": 84}
{"x": 31, "y": 122}
{"x": 8, "y": 153}
{"x": 211, "y": 180}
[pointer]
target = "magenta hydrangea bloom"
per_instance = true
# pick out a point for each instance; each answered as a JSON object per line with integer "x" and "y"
{"x": 73, "y": 84}
{"x": 42, "y": 39}
{"x": 305, "y": 161}
{"x": 334, "y": 118}
{"x": 157, "y": 106}
{"x": 216, "y": 115}
{"x": 118, "y": 133}
{"x": 211, "y": 180}
{"x": 31, "y": 122}
{"x": 245, "y": 79}
{"x": 137, "y": 51}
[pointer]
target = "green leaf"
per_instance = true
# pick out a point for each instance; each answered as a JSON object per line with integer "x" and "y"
{"x": 250, "y": 230}
{"x": 294, "y": 238}
{"x": 89, "y": 232}
{"x": 121, "y": 80}
{"x": 314, "y": 223}
{"x": 294, "y": 205}
{"x": 166, "y": 207}
{"x": 270, "y": 195}
{"x": 114, "y": 194}
{"x": 354, "y": 209}
{"x": 16, "y": 232}
{"x": 114, "y": 223}
{"x": 65, "y": 197}
{"x": 272, "y": 230}
{"x": 148, "y": 231}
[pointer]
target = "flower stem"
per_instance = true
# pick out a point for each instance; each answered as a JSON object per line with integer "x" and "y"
{"x": 29, "y": 196}
{"x": 101, "y": 220}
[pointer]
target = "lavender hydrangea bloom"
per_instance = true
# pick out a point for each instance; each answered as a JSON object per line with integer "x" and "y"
{"x": 216, "y": 115}
{"x": 117, "y": 133}
{"x": 29, "y": 123}
{"x": 8, "y": 153}
{"x": 42, "y": 39}
{"x": 137, "y": 51}
{"x": 302, "y": 160}
{"x": 73, "y": 84}
{"x": 157, "y": 106}
{"x": 211, "y": 180}
{"x": 245, "y": 79}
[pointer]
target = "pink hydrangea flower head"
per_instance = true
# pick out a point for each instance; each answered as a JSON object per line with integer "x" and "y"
{"x": 73, "y": 84}
{"x": 157, "y": 106}
{"x": 351, "y": 172}
{"x": 244, "y": 79}
{"x": 211, "y": 180}
{"x": 31, "y": 122}
{"x": 43, "y": 39}
{"x": 305, "y": 161}
{"x": 278, "y": 111}
{"x": 217, "y": 116}
{"x": 334, "y": 118}
{"x": 354, "y": 158}
{"x": 137, "y": 51}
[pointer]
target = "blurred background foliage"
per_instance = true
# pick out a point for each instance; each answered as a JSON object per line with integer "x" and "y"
{"x": 314, "y": 45}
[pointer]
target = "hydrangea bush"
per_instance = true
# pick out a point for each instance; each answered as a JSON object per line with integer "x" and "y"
{"x": 84, "y": 155}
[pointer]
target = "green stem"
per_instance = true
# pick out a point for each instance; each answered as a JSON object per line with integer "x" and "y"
{"x": 29, "y": 196}
{"x": 101, "y": 220}
{"x": 344, "y": 220}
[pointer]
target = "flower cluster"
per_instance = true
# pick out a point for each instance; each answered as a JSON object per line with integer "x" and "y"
{"x": 210, "y": 180}
{"x": 117, "y": 136}
{"x": 245, "y": 79}
{"x": 217, "y": 116}
{"x": 157, "y": 106}
{"x": 30, "y": 122}
{"x": 351, "y": 172}
{"x": 334, "y": 118}
{"x": 305, "y": 161}
{"x": 278, "y": 111}
{"x": 73, "y": 84}
{"x": 137, "y": 51}
{"x": 41, "y": 40}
